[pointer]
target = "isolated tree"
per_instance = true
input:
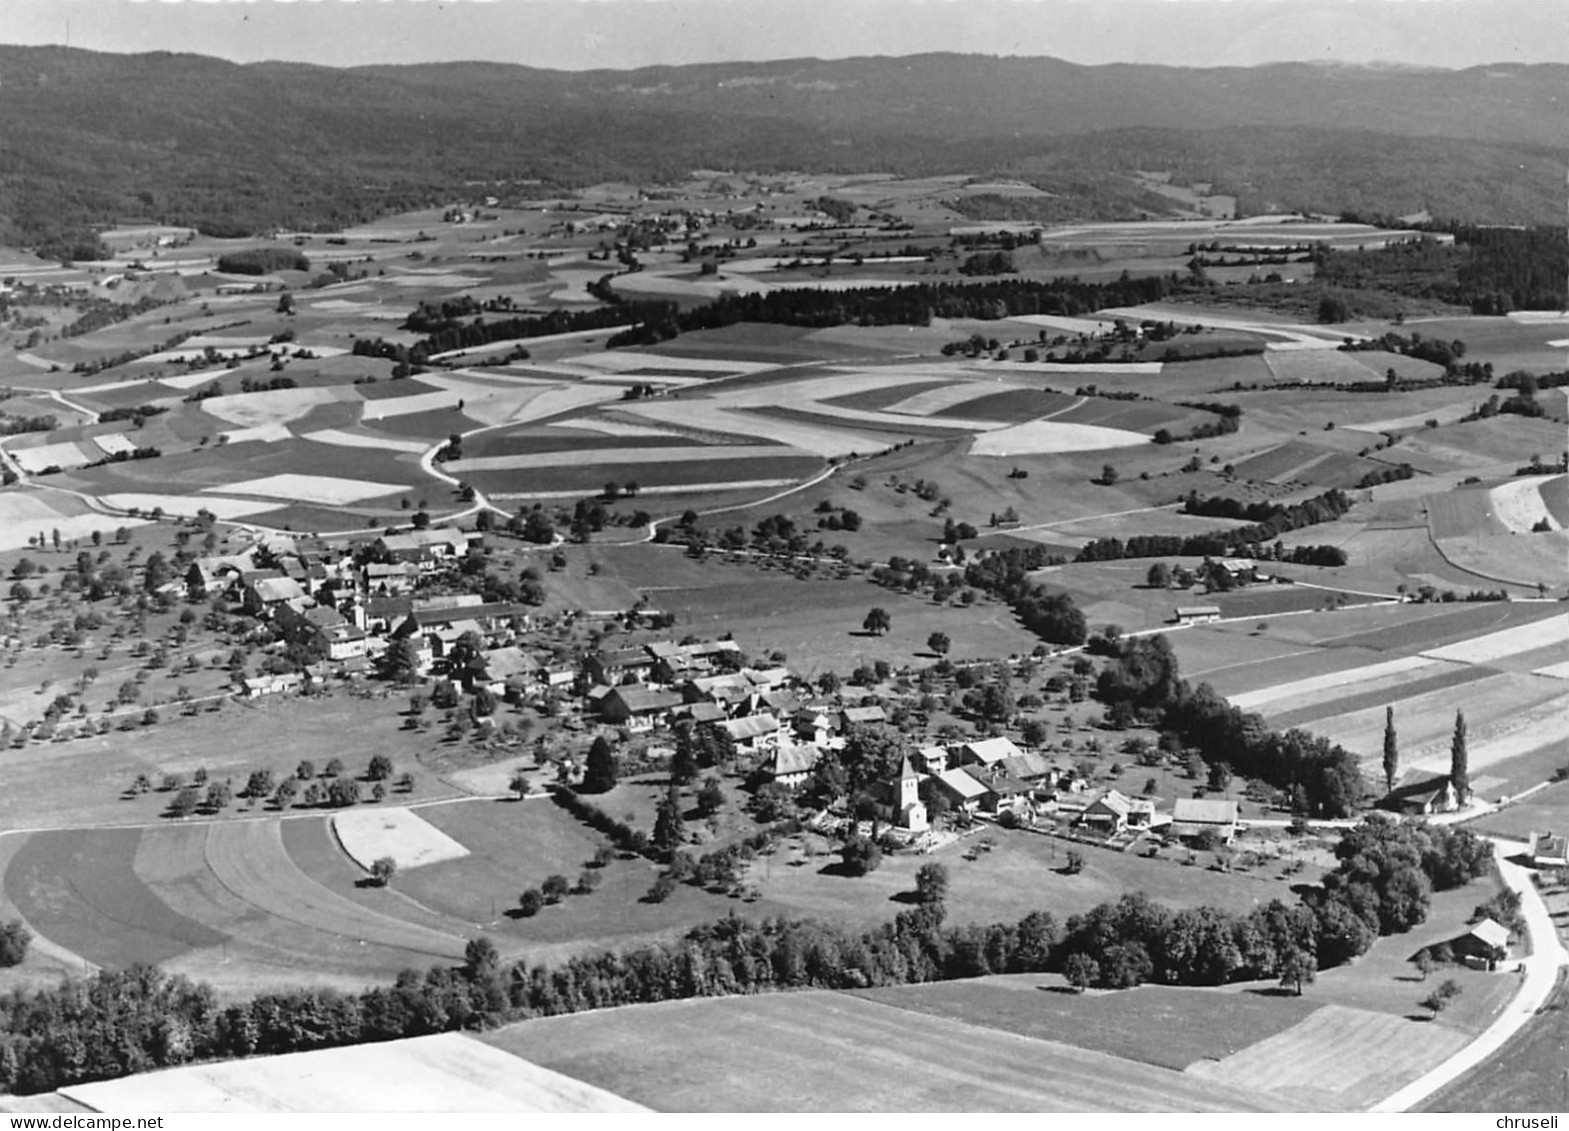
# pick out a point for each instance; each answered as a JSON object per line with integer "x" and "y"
{"x": 877, "y": 621}
{"x": 860, "y": 855}
{"x": 519, "y": 784}
{"x": 1459, "y": 761}
{"x": 218, "y": 796}
{"x": 1108, "y": 475}
{"x": 343, "y": 792}
{"x": 284, "y": 795}
{"x": 380, "y": 768}
{"x": 1075, "y": 863}
{"x": 1425, "y": 964}
{"x": 383, "y": 869}
{"x": 14, "y": 941}
{"x": 1159, "y": 576}
{"x": 939, "y": 643}
{"x": 711, "y": 798}
{"x": 1391, "y": 750}
{"x": 931, "y": 883}
{"x": 530, "y": 903}
{"x": 334, "y": 768}
{"x": 1297, "y": 965}
{"x": 1439, "y": 999}
{"x": 185, "y": 802}
{"x": 667, "y": 822}
{"x": 599, "y": 774}
{"x": 306, "y": 770}
{"x": 555, "y": 887}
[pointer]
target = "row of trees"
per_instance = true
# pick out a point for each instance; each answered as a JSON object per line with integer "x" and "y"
{"x": 1272, "y": 520}
{"x": 1142, "y": 683}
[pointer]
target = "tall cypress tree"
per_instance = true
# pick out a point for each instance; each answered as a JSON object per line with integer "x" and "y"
{"x": 1459, "y": 774}
{"x": 600, "y": 772}
{"x": 1391, "y": 750}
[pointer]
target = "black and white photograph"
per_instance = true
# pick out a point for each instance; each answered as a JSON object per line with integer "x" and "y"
{"x": 897, "y": 557}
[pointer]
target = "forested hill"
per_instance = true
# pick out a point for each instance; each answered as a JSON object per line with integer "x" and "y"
{"x": 91, "y": 137}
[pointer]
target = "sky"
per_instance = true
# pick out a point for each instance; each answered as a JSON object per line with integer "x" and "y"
{"x": 619, "y": 34}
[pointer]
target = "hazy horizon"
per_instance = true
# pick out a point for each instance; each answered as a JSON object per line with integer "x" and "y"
{"x": 624, "y": 34}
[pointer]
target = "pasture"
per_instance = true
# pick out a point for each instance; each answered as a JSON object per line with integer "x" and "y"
{"x": 837, "y": 1052}
{"x": 1166, "y": 1026}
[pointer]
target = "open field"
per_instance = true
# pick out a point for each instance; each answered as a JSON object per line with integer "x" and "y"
{"x": 835, "y": 1052}
{"x": 1337, "y": 1059}
{"x": 1138, "y": 1024}
{"x": 447, "y": 1072}
{"x": 399, "y": 833}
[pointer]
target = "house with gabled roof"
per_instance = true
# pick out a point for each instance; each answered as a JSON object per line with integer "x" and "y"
{"x": 791, "y": 765}
{"x": 987, "y": 751}
{"x": 962, "y": 789}
{"x": 869, "y": 715}
{"x": 1191, "y": 817}
{"x": 1421, "y": 795}
{"x": 638, "y": 706}
{"x": 753, "y": 733}
{"x": 1549, "y": 850}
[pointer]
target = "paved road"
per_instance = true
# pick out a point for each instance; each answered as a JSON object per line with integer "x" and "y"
{"x": 1541, "y": 974}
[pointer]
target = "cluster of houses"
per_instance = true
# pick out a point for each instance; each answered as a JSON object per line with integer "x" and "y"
{"x": 348, "y": 611}
{"x": 345, "y": 613}
{"x": 785, "y": 729}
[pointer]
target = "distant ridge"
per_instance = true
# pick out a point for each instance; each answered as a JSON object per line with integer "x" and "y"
{"x": 189, "y": 138}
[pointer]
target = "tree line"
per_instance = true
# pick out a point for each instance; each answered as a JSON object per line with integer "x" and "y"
{"x": 118, "y": 1022}
{"x": 1269, "y": 521}
{"x": 1142, "y": 683}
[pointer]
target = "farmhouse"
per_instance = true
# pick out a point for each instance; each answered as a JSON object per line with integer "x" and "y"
{"x": 753, "y": 733}
{"x": 619, "y": 664}
{"x": 1485, "y": 944}
{"x": 1192, "y": 817}
{"x": 1422, "y": 795}
{"x": 261, "y": 596}
{"x": 791, "y": 765}
{"x": 1196, "y": 614}
{"x": 638, "y": 706}
{"x": 987, "y": 752}
{"x": 1110, "y": 813}
{"x": 1549, "y": 850}
{"x": 861, "y": 716}
{"x": 272, "y": 684}
{"x": 424, "y": 548}
{"x": 931, "y": 759}
{"x": 390, "y": 578}
{"x": 962, "y": 789}
{"x": 324, "y": 630}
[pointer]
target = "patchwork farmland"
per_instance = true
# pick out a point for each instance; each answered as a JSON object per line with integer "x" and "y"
{"x": 478, "y": 530}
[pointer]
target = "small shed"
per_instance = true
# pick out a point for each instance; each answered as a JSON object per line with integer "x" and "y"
{"x": 1486, "y": 942}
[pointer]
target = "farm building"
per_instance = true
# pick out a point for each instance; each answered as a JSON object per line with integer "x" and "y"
{"x": 425, "y": 548}
{"x": 1115, "y": 812}
{"x": 1192, "y": 817}
{"x": 1486, "y": 943}
{"x": 638, "y": 706}
{"x": 324, "y": 630}
{"x": 932, "y": 759}
{"x": 862, "y": 716}
{"x": 753, "y": 733}
{"x": 1422, "y": 795}
{"x": 390, "y": 578}
{"x": 615, "y": 665}
{"x": 257, "y": 686}
{"x": 987, "y": 752}
{"x": 261, "y": 596}
{"x": 791, "y": 765}
{"x": 1550, "y": 850}
{"x": 962, "y": 788}
{"x": 1196, "y": 614}
{"x": 705, "y": 713}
